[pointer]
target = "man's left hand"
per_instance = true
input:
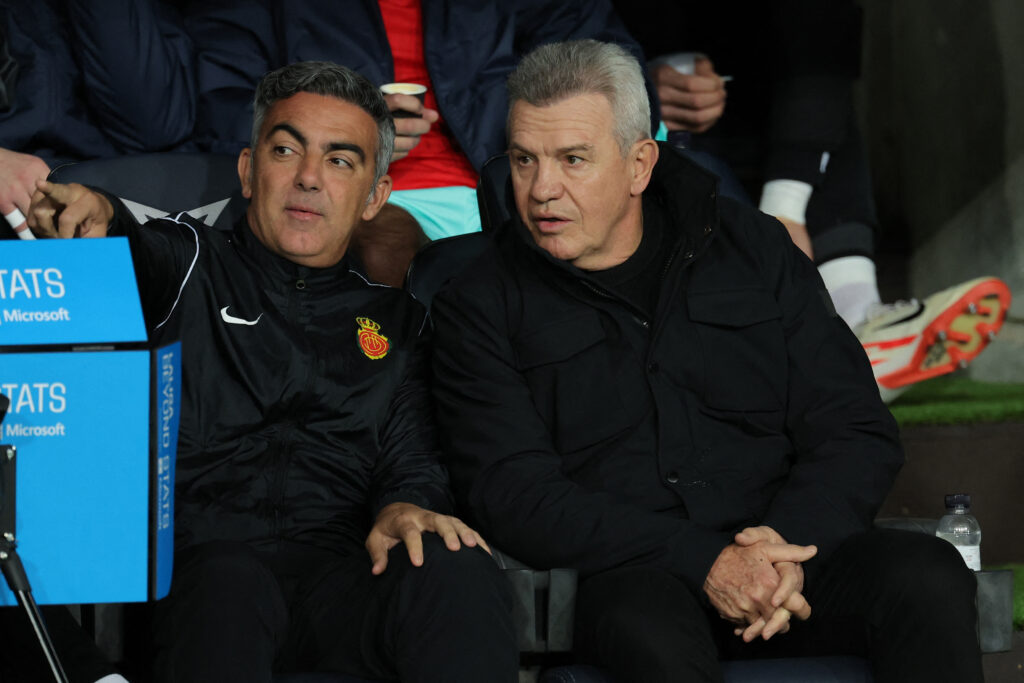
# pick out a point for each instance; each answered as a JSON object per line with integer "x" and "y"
{"x": 788, "y": 597}
{"x": 405, "y": 523}
{"x": 692, "y": 102}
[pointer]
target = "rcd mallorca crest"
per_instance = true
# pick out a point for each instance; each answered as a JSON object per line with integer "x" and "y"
{"x": 372, "y": 343}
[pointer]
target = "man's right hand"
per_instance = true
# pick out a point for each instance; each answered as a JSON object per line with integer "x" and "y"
{"x": 409, "y": 129}
{"x": 71, "y": 210}
{"x": 692, "y": 102}
{"x": 745, "y": 581}
{"x": 18, "y": 176}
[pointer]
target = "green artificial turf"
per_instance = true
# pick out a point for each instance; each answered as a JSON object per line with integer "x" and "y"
{"x": 958, "y": 400}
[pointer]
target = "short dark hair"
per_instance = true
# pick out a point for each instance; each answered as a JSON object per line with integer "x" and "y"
{"x": 331, "y": 80}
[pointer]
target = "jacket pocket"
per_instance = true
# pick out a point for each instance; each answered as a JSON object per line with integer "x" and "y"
{"x": 586, "y": 387}
{"x": 744, "y": 349}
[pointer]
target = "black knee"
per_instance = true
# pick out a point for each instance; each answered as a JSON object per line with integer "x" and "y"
{"x": 222, "y": 570}
{"x": 465, "y": 572}
{"x": 926, "y": 575}
{"x": 941, "y": 570}
{"x": 455, "y": 613}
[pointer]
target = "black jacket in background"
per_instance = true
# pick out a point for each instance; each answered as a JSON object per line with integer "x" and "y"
{"x": 289, "y": 430}
{"x": 580, "y": 434}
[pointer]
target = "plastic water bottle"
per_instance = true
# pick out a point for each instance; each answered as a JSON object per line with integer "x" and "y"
{"x": 960, "y": 528}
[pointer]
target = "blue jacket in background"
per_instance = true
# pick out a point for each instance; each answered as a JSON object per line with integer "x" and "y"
{"x": 470, "y": 47}
{"x": 96, "y": 79}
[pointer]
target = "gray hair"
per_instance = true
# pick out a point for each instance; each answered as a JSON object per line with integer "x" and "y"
{"x": 556, "y": 71}
{"x": 331, "y": 80}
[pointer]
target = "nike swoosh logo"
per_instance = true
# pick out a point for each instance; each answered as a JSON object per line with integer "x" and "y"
{"x": 237, "y": 321}
{"x": 919, "y": 311}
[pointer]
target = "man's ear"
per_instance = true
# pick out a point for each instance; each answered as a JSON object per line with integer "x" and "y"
{"x": 643, "y": 155}
{"x": 377, "y": 198}
{"x": 245, "y": 172}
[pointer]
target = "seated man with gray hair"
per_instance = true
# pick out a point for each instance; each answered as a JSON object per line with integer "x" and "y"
{"x": 307, "y": 470}
{"x": 648, "y": 382}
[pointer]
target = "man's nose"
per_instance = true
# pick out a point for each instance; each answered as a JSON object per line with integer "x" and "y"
{"x": 547, "y": 183}
{"x": 308, "y": 174}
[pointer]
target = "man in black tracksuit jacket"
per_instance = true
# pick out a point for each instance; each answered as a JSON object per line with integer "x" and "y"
{"x": 306, "y": 427}
{"x": 637, "y": 371}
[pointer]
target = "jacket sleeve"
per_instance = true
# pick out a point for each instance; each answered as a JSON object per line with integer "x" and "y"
{"x": 408, "y": 468}
{"x": 137, "y": 71}
{"x": 506, "y": 471}
{"x": 846, "y": 443}
{"x": 164, "y": 253}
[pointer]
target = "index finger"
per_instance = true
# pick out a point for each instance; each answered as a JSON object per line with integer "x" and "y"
{"x": 404, "y": 102}
{"x": 787, "y": 552}
{"x": 668, "y": 76}
{"x": 56, "y": 191}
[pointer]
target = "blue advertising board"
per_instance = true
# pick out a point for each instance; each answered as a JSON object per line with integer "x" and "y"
{"x": 167, "y": 403}
{"x": 68, "y": 292}
{"x": 94, "y": 417}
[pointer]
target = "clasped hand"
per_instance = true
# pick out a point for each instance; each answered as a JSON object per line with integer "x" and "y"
{"x": 405, "y": 523}
{"x": 756, "y": 582}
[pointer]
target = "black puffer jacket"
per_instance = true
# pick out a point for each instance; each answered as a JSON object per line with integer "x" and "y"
{"x": 579, "y": 433}
{"x": 291, "y": 428}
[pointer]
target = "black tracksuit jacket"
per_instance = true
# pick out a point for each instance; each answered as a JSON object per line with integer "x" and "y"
{"x": 289, "y": 430}
{"x": 579, "y": 433}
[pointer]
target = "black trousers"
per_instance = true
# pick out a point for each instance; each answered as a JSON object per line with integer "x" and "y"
{"x": 904, "y": 600}
{"x": 234, "y": 614}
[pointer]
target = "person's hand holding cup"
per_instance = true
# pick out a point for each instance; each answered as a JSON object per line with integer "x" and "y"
{"x": 412, "y": 118}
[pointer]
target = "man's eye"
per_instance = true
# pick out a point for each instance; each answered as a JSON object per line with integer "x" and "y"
{"x": 341, "y": 162}
{"x": 281, "y": 150}
{"x": 572, "y": 159}
{"x": 523, "y": 159}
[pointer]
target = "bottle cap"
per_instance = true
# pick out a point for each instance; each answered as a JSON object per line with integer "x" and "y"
{"x": 955, "y": 499}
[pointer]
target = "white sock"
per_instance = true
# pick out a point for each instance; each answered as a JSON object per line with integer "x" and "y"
{"x": 112, "y": 678}
{"x": 851, "y": 282}
{"x": 786, "y": 199}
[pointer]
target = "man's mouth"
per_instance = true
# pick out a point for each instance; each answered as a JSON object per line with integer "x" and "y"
{"x": 549, "y": 222}
{"x": 302, "y": 212}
